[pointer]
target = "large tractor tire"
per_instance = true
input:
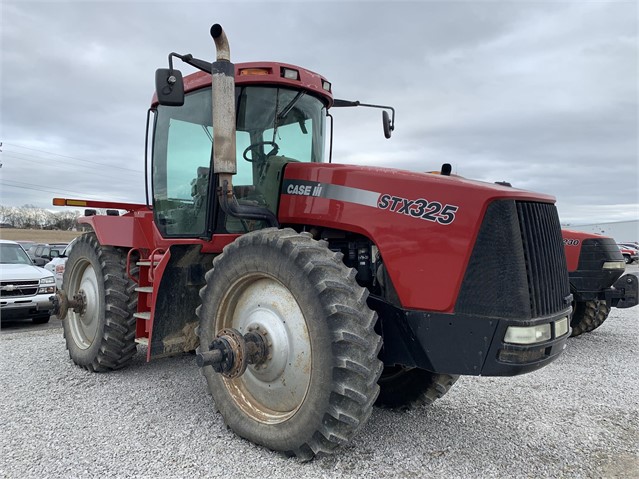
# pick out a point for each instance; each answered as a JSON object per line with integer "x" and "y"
{"x": 408, "y": 388}
{"x": 318, "y": 385}
{"x": 603, "y": 311}
{"x": 584, "y": 316}
{"x": 100, "y": 337}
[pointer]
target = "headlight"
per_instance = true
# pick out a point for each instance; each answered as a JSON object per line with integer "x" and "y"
{"x": 528, "y": 334}
{"x": 561, "y": 327}
{"x": 614, "y": 265}
{"x": 47, "y": 280}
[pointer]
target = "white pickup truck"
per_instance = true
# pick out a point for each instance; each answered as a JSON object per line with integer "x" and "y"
{"x": 25, "y": 289}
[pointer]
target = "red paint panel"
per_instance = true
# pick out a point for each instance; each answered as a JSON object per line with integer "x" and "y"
{"x": 426, "y": 260}
{"x": 137, "y": 230}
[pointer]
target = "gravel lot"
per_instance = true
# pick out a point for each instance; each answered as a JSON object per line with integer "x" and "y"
{"x": 578, "y": 417}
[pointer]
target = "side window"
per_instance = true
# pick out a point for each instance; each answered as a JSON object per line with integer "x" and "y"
{"x": 244, "y": 174}
{"x": 38, "y": 251}
{"x": 188, "y": 148}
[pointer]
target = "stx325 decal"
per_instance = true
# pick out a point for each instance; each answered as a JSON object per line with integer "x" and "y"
{"x": 419, "y": 208}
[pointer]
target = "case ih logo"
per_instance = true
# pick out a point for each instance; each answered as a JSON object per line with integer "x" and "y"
{"x": 419, "y": 208}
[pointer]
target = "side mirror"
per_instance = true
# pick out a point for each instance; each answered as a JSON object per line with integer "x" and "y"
{"x": 169, "y": 87}
{"x": 386, "y": 123}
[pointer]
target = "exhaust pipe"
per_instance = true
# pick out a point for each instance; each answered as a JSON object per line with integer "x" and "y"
{"x": 223, "y": 91}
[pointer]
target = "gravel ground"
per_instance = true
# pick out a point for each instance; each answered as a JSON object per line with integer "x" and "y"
{"x": 578, "y": 417}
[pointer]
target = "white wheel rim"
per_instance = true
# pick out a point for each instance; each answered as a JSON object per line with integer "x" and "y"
{"x": 273, "y": 391}
{"x": 84, "y": 326}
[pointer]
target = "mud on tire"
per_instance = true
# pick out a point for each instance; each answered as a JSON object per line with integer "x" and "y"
{"x": 102, "y": 337}
{"x": 318, "y": 386}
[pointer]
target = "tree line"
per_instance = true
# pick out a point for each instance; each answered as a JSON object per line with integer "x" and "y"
{"x": 33, "y": 217}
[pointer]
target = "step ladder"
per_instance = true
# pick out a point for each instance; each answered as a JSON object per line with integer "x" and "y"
{"x": 145, "y": 280}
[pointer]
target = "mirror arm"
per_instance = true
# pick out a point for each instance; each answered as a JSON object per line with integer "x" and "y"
{"x": 188, "y": 58}
{"x": 348, "y": 103}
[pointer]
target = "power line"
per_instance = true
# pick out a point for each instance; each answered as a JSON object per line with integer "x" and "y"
{"x": 28, "y": 186}
{"x": 31, "y": 186}
{"x": 48, "y": 160}
{"x": 72, "y": 158}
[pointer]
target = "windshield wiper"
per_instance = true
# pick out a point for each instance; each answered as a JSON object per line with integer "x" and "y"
{"x": 285, "y": 111}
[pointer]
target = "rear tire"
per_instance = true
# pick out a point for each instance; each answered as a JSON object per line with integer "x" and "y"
{"x": 102, "y": 337}
{"x": 318, "y": 386}
{"x": 412, "y": 387}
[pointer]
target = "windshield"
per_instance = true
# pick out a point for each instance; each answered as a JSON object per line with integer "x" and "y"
{"x": 13, "y": 254}
{"x": 274, "y": 126}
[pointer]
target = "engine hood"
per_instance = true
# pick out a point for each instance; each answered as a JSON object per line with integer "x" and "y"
{"x": 22, "y": 272}
{"x": 425, "y": 225}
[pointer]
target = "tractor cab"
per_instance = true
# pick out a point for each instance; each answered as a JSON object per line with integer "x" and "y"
{"x": 279, "y": 120}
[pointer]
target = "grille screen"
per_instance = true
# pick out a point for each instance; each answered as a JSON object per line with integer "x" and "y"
{"x": 545, "y": 259}
{"x": 518, "y": 268}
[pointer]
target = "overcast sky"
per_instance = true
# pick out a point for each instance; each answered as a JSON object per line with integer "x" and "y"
{"x": 543, "y": 94}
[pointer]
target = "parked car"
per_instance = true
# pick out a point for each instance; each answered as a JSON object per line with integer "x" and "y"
{"x": 629, "y": 254}
{"x": 26, "y": 244}
{"x": 25, "y": 289}
{"x": 45, "y": 253}
{"x": 57, "y": 264}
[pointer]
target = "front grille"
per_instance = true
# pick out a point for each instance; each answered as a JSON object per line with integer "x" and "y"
{"x": 517, "y": 269}
{"x": 545, "y": 259}
{"x": 16, "y": 289}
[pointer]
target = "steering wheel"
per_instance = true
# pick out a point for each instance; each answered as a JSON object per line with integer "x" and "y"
{"x": 253, "y": 148}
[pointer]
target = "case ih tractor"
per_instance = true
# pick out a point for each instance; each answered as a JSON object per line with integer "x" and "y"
{"x": 304, "y": 286}
{"x": 595, "y": 269}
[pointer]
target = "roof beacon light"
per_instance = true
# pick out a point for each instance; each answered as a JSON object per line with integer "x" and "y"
{"x": 255, "y": 71}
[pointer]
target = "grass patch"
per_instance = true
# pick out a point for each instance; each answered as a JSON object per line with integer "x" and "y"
{"x": 39, "y": 236}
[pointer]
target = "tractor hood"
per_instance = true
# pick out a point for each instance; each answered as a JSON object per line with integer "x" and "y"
{"x": 424, "y": 225}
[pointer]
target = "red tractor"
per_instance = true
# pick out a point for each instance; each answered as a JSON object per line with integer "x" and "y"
{"x": 595, "y": 269}
{"x": 304, "y": 286}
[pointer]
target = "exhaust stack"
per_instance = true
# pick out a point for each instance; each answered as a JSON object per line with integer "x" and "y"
{"x": 223, "y": 91}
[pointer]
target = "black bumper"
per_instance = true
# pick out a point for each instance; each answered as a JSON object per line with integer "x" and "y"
{"x": 624, "y": 293}
{"x": 460, "y": 343}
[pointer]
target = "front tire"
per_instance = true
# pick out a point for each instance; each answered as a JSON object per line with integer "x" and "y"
{"x": 584, "y": 316}
{"x": 102, "y": 336}
{"x": 603, "y": 311}
{"x": 409, "y": 388}
{"x": 318, "y": 385}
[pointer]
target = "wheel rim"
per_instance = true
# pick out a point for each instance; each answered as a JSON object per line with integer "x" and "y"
{"x": 273, "y": 391}
{"x": 84, "y": 326}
